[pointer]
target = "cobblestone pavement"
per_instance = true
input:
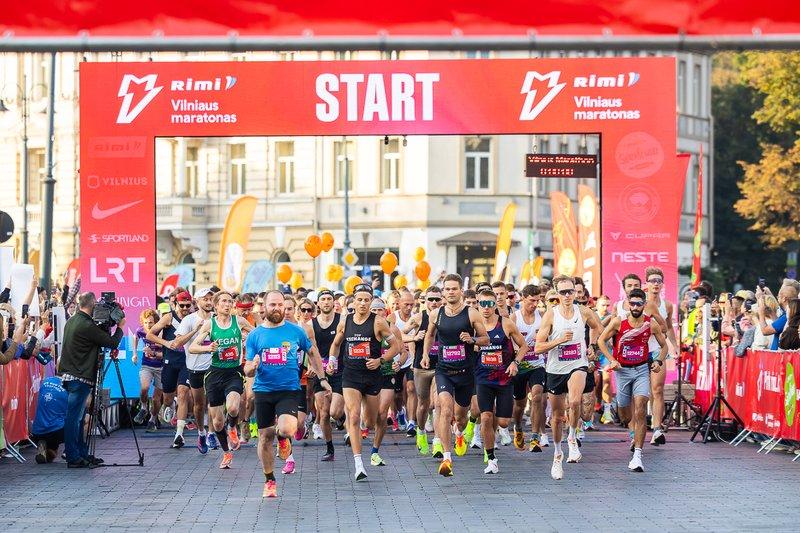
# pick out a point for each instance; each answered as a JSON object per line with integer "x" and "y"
{"x": 686, "y": 487}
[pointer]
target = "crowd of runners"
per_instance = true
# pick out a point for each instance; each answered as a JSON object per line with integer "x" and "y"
{"x": 453, "y": 368}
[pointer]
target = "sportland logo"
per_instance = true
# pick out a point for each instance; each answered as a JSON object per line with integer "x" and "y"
{"x": 130, "y": 83}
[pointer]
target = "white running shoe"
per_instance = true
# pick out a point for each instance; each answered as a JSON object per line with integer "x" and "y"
{"x": 658, "y": 438}
{"x": 491, "y": 467}
{"x": 316, "y": 430}
{"x": 476, "y": 443}
{"x": 574, "y": 451}
{"x": 636, "y": 464}
{"x": 361, "y": 474}
{"x": 544, "y": 441}
{"x": 169, "y": 412}
{"x": 505, "y": 436}
{"x": 429, "y": 424}
{"x": 580, "y": 434}
{"x": 557, "y": 470}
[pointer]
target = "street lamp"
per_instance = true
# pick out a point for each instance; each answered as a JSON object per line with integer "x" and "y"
{"x": 22, "y": 96}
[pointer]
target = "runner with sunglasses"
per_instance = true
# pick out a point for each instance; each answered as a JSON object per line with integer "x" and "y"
{"x": 561, "y": 336}
{"x": 630, "y": 360}
{"x": 415, "y": 330}
{"x": 405, "y": 376}
{"x": 458, "y": 329}
{"x": 328, "y": 405}
{"x": 244, "y": 307}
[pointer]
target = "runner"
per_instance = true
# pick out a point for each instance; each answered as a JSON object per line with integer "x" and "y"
{"x": 495, "y": 367}
{"x": 245, "y": 304}
{"x": 633, "y": 367}
{"x": 588, "y": 399}
{"x": 561, "y": 336}
{"x": 457, "y": 328}
{"x": 175, "y": 374}
{"x": 150, "y": 372}
{"x": 471, "y": 299}
{"x": 272, "y": 358}
{"x": 606, "y": 394}
{"x": 415, "y": 331}
{"x": 500, "y": 290}
{"x": 305, "y": 313}
{"x": 224, "y": 382}
{"x": 328, "y": 405}
{"x": 406, "y": 411}
{"x": 531, "y": 377}
{"x": 362, "y": 333}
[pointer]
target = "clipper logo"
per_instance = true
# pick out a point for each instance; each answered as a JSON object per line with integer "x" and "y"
{"x": 531, "y": 108}
{"x": 128, "y": 113}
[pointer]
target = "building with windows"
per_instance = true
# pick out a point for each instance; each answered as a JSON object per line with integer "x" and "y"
{"x": 445, "y": 193}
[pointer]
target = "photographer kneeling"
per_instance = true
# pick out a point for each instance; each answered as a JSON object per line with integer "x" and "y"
{"x": 78, "y": 366}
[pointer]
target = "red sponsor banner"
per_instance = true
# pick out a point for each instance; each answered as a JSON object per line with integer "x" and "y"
{"x": 629, "y": 101}
{"x": 791, "y": 401}
{"x": 705, "y": 379}
{"x": 737, "y": 385}
{"x": 16, "y": 391}
{"x": 765, "y": 371}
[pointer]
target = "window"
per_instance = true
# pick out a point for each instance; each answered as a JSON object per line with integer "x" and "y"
{"x": 544, "y": 144}
{"x": 681, "y": 86}
{"x": 477, "y": 54}
{"x": 477, "y": 152}
{"x": 563, "y": 147}
{"x": 37, "y": 168}
{"x": 191, "y": 177}
{"x": 390, "y": 165}
{"x": 343, "y": 168}
{"x": 238, "y": 169}
{"x": 285, "y": 166}
{"x": 697, "y": 90}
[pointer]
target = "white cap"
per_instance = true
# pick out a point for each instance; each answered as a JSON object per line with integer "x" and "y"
{"x": 199, "y": 293}
{"x": 312, "y": 296}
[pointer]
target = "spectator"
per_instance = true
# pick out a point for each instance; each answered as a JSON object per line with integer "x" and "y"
{"x": 790, "y": 337}
{"x": 48, "y": 424}
{"x": 761, "y": 341}
{"x": 786, "y": 293}
{"x": 10, "y": 341}
{"x": 78, "y": 368}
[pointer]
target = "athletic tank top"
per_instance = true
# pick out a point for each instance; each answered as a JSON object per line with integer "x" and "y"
{"x": 229, "y": 340}
{"x": 454, "y": 356}
{"x": 325, "y": 338}
{"x": 630, "y": 343}
{"x": 493, "y": 360}
{"x": 433, "y": 355}
{"x": 566, "y": 357}
{"x": 360, "y": 344}
{"x": 401, "y": 324}
{"x": 652, "y": 343}
{"x": 173, "y": 357}
{"x": 529, "y": 331}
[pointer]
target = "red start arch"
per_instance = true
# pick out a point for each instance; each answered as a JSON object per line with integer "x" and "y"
{"x": 630, "y": 102}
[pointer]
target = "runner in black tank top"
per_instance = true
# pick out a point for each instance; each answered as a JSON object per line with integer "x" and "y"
{"x": 328, "y": 405}
{"x": 360, "y": 344}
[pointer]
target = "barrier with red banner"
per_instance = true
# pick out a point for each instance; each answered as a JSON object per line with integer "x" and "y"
{"x": 16, "y": 388}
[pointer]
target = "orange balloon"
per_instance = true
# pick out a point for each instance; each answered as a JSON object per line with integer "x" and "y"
{"x": 296, "y": 281}
{"x": 313, "y": 245}
{"x": 423, "y": 284}
{"x": 350, "y": 284}
{"x": 284, "y": 273}
{"x": 422, "y": 270}
{"x": 388, "y": 262}
{"x": 419, "y": 254}
{"x": 327, "y": 241}
{"x": 400, "y": 281}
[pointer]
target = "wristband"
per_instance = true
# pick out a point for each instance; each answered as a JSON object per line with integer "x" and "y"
{"x": 323, "y": 379}
{"x": 659, "y": 361}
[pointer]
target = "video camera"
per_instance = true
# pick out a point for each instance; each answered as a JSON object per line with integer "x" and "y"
{"x": 107, "y": 312}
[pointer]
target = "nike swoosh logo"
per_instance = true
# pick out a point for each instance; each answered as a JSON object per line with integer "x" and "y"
{"x": 100, "y": 214}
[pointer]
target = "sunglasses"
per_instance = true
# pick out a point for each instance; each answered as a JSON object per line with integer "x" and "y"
{"x": 636, "y": 303}
{"x": 553, "y": 300}
{"x": 185, "y": 306}
{"x": 306, "y": 310}
{"x": 567, "y": 292}
{"x": 434, "y": 299}
{"x": 487, "y": 303}
{"x": 656, "y": 281}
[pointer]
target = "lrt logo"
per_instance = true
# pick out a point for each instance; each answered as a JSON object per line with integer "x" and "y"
{"x": 127, "y": 111}
{"x": 531, "y": 108}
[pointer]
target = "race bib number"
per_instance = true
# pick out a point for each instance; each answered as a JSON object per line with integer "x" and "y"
{"x": 274, "y": 356}
{"x": 454, "y": 354}
{"x": 229, "y": 354}
{"x": 570, "y": 352}
{"x": 633, "y": 354}
{"x": 434, "y": 349}
{"x": 492, "y": 358}
{"x": 530, "y": 355}
{"x": 358, "y": 350}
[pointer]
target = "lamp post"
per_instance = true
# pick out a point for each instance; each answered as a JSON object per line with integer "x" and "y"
{"x": 49, "y": 184}
{"x": 22, "y": 96}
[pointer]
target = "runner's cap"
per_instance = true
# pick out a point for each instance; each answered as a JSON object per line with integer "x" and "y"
{"x": 183, "y": 297}
{"x": 199, "y": 293}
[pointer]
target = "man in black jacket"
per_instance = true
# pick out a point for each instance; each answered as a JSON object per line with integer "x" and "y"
{"x": 78, "y": 369}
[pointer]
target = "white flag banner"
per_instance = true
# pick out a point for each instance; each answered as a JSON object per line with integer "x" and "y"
{"x": 6, "y": 262}
{"x": 21, "y": 280}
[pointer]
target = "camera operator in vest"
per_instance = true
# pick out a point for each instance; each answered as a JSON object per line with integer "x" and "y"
{"x": 84, "y": 335}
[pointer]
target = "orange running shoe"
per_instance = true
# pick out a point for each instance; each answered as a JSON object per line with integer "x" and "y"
{"x": 364, "y": 433}
{"x": 446, "y": 468}
{"x": 227, "y": 459}
{"x": 233, "y": 439}
{"x": 270, "y": 489}
{"x": 284, "y": 448}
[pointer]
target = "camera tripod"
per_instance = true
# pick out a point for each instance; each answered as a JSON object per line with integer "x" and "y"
{"x": 96, "y": 419}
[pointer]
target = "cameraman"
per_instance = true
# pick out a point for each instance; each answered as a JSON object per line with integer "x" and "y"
{"x": 78, "y": 369}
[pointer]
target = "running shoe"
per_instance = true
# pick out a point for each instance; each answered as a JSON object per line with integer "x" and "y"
{"x": 589, "y": 426}
{"x": 151, "y": 426}
{"x": 545, "y": 441}
{"x": 429, "y": 424}
{"x": 202, "y": 444}
{"x": 288, "y": 468}
{"x": 438, "y": 450}
{"x": 446, "y": 468}
{"x": 284, "y": 448}
{"x": 364, "y": 433}
{"x": 178, "y": 442}
{"x": 375, "y": 460}
{"x": 227, "y": 459}
{"x": 270, "y": 489}
{"x": 476, "y": 443}
{"x": 361, "y": 475}
{"x": 422, "y": 443}
{"x": 557, "y": 470}
{"x": 658, "y": 438}
{"x": 636, "y": 464}
{"x": 211, "y": 439}
{"x": 607, "y": 418}
{"x": 579, "y": 434}
{"x": 173, "y": 422}
{"x": 491, "y": 467}
{"x": 300, "y": 433}
{"x": 469, "y": 431}
{"x": 505, "y": 436}
{"x": 41, "y": 452}
{"x": 519, "y": 440}
{"x": 574, "y": 451}
{"x": 534, "y": 446}
{"x": 169, "y": 414}
{"x": 316, "y": 431}
{"x": 191, "y": 426}
{"x": 485, "y": 457}
{"x": 461, "y": 445}
{"x": 254, "y": 430}
{"x": 346, "y": 439}
{"x": 411, "y": 432}
{"x": 401, "y": 419}
{"x": 233, "y": 439}
{"x": 328, "y": 457}
{"x": 139, "y": 418}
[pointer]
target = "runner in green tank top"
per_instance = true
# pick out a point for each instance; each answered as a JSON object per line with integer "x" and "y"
{"x": 229, "y": 344}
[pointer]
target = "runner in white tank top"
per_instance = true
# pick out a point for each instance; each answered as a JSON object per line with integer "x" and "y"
{"x": 569, "y": 356}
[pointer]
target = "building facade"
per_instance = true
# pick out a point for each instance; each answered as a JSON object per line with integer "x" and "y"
{"x": 444, "y": 193}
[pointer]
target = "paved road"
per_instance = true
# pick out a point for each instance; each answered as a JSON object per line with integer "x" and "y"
{"x": 687, "y": 486}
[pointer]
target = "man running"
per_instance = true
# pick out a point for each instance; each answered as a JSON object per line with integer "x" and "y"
{"x": 328, "y": 405}
{"x": 457, "y": 328}
{"x": 632, "y": 365}
{"x": 405, "y": 376}
{"x": 362, "y": 333}
{"x": 561, "y": 336}
{"x": 272, "y": 358}
{"x": 495, "y": 367}
{"x": 224, "y": 382}
{"x": 531, "y": 376}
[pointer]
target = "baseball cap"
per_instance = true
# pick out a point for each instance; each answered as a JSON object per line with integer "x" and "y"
{"x": 199, "y": 293}
{"x": 184, "y": 297}
{"x": 324, "y": 292}
{"x": 745, "y": 295}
